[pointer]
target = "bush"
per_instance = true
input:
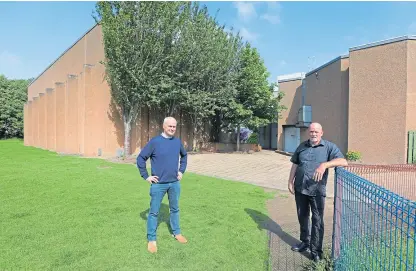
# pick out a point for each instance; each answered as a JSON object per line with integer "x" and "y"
{"x": 245, "y": 134}
{"x": 325, "y": 264}
{"x": 353, "y": 155}
{"x": 253, "y": 139}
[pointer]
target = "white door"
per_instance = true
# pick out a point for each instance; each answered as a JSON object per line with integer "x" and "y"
{"x": 292, "y": 138}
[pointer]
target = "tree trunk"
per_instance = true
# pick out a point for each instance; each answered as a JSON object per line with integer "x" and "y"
{"x": 238, "y": 137}
{"x": 194, "y": 141}
{"x": 216, "y": 127}
{"x": 127, "y": 135}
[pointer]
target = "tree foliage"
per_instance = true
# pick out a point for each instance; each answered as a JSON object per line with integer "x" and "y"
{"x": 254, "y": 104}
{"x": 178, "y": 58}
{"x": 138, "y": 39}
{"x": 206, "y": 72}
{"x": 13, "y": 95}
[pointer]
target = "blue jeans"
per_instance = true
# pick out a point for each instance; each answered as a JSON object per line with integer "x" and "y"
{"x": 157, "y": 192}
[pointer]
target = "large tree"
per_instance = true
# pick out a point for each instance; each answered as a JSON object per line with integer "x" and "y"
{"x": 138, "y": 39}
{"x": 176, "y": 57}
{"x": 208, "y": 71}
{"x": 254, "y": 104}
{"x": 13, "y": 95}
{"x": 169, "y": 55}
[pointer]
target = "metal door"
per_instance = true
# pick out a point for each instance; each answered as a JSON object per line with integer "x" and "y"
{"x": 291, "y": 138}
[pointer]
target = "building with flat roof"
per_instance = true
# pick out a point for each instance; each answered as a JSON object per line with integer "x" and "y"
{"x": 365, "y": 101}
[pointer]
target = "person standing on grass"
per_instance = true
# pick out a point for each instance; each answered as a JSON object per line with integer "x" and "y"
{"x": 307, "y": 181}
{"x": 164, "y": 151}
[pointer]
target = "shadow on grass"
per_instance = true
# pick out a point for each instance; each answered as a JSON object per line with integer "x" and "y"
{"x": 163, "y": 216}
{"x": 266, "y": 223}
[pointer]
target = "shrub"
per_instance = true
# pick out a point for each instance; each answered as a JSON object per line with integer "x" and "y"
{"x": 353, "y": 155}
{"x": 245, "y": 134}
{"x": 325, "y": 264}
{"x": 253, "y": 139}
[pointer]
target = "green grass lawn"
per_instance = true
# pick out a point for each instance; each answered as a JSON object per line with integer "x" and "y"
{"x": 63, "y": 212}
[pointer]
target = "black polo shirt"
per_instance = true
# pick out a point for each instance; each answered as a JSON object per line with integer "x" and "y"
{"x": 308, "y": 158}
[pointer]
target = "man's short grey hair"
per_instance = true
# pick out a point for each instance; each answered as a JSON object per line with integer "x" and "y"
{"x": 168, "y": 118}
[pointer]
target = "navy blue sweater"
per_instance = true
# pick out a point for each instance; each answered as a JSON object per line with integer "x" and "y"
{"x": 164, "y": 156}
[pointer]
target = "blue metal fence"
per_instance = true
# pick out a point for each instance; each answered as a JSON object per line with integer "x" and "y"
{"x": 374, "y": 228}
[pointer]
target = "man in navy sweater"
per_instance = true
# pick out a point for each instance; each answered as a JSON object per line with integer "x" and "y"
{"x": 164, "y": 151}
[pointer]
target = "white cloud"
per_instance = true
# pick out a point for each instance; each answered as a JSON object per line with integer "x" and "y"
{"x": 249, "y": 36}
{"x": 246, "y": 10}
{"x": 273, "y": 13}
{"x": 273, "y": 19}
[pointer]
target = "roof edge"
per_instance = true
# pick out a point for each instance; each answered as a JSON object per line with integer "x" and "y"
{"x": 290, "y": 77}
{"x": 382, "y": 42}
{"x": 69, "y": 48}
{"x": 326, "y": 64}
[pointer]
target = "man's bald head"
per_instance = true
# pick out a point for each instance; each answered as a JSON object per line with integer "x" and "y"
{"x": 315, "y": 133}
{"x": 315, "y": 125}
{"x": 169, "y": 119}
{"x": 169, "y": 126}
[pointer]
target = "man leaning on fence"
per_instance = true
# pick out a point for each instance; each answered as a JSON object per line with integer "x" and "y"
{"x": 307, "y": 181}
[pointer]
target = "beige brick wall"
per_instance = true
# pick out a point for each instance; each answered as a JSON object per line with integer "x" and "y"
{"x": 85, "y": 120}
{"x": 51, "y": 119}
{"x": 327, "y": 93}
{"x": 292, "y": 100}
{"x": 377, "y": 103}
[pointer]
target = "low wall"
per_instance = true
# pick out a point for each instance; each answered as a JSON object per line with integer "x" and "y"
{"x": 229, "y": 147}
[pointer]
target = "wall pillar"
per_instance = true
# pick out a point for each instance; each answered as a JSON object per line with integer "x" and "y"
{"x": 29, "y": 123}
{"x": 51, "y": 119}
{"x": 25, "y": 124}
{"x": 71, "y": 114}
{"x": 94, "y": 128}
{"x": 35, "y": 121}
{"x": 60, "y": 121}
{"x": 42, "y": 120}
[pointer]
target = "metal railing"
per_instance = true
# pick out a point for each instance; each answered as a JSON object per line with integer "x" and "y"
{"x": 398, "y": 178}
{"x": 374, "y": 222}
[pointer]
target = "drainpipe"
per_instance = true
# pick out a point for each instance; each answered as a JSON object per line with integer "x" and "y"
{"x": 303, "y": 90}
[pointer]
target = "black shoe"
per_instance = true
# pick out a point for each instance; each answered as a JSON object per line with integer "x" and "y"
{"x": 301, "y": 247}
{"x": 315, "y": 257}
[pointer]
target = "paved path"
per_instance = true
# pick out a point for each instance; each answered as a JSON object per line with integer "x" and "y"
{"x": 270, "y": 170}
{"x": 266, "y": 168}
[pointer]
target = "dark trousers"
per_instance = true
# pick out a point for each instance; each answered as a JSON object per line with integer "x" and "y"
{"x": 313, "y": 236}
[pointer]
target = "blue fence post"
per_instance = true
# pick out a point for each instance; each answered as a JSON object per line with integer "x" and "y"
{"x": 334, "y": 220}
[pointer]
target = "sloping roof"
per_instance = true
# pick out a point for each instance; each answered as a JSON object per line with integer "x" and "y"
{"x": 88, "y": 31}
{"x": 327, "y": 64}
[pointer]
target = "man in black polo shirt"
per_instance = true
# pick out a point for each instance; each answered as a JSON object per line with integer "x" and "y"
{"x": 307, "y": 181}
